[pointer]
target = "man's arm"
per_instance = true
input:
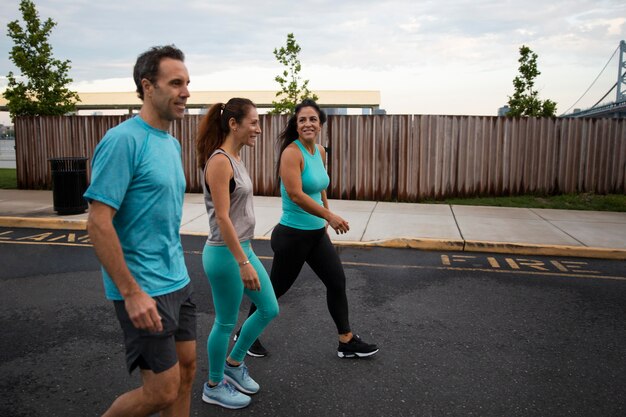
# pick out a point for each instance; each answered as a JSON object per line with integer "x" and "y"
{"x": 141, "y": 307}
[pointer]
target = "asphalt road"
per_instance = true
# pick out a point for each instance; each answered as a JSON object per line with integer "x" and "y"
{"x": 460, "y": 335}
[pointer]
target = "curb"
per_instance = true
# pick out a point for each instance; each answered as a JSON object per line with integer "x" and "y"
{"x": 407, "y": 243}
{"x": 455, "y": 245}
{"x": 43, "y": 223}
{"x": 545, "y": 250}
{"x": 495, "y": 247}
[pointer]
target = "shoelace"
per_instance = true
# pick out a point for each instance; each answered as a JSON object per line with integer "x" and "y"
{"x": 355, "y": 341}
{"x": 244, "y": 372}
{"x": 231, "y": 390}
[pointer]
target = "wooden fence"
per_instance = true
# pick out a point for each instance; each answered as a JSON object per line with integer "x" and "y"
{"x": 387, "y": 157}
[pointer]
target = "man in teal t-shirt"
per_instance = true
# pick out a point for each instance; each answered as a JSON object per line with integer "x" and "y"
{"x": 132, "y": 175}
{"x": 136, "y": 198}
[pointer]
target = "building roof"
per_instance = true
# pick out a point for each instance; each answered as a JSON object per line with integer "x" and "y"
{"x": 201, "y": 99}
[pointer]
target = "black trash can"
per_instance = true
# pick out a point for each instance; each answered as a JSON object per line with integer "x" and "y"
{"x": 69, "y": 182}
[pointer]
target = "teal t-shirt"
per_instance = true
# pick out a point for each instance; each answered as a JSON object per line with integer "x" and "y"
{"x": 314, "y": 180}
{"x": 137, "y": 170}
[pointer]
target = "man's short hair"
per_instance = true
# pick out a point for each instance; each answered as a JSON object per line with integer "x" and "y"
{"x": 147, "y": 65}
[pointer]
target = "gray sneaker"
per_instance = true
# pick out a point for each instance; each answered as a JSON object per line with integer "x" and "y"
{"x": 225, "y": 395}
{"x": 240, "y": 378}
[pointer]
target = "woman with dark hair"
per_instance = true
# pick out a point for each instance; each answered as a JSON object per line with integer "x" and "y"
{"x": 301, "y": 234}
{"x": 228, "y": 259}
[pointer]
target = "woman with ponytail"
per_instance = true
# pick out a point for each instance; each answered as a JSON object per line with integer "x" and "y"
{"x": 228, "y": 259}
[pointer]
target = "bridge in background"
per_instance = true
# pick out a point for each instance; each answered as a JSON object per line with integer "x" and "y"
{"x": 340, "y": 101}
{"x": 617, "y": 108}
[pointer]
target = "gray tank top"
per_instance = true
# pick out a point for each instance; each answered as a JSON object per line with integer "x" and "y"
{"x": 241, "y": 206}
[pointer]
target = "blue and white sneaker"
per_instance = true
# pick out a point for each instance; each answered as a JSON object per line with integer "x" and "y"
{"x": 240, "y": 378}
{"x": 225, "y": 395}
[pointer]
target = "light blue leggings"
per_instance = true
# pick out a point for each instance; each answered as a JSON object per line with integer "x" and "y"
{"x": 227, "y": 287}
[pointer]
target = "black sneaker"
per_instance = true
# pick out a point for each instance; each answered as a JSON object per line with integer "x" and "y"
{"x": 356, "y": 348}
{"x": 257, "y": 350}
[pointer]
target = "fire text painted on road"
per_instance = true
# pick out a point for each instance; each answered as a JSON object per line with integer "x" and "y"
{"x": 518, "y": 264}
{"x": 477, "y": 262}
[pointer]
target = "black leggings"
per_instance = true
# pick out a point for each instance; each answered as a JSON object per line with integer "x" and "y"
{"x": 292, "y": 248}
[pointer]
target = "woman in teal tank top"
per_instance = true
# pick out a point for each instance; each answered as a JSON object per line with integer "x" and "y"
{"x": 301, "y": 235}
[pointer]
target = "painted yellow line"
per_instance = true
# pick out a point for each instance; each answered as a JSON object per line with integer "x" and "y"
{"x": 509, "y": 271}
{"x": 379, "y": 265}
{"x": 472, "y": 269}
{"x": 15, "y": 242}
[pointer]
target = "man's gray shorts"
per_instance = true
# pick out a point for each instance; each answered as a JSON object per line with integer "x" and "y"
{"x": 157, "y": 351}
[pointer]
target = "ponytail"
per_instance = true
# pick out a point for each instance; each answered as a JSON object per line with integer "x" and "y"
{"x": 210, "y": 134}
{"x": 214, "y": 127}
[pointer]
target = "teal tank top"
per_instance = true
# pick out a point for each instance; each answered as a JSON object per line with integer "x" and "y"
{"x": 314, "y": 180}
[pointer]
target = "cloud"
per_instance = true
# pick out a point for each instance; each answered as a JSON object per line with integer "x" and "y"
{"x": 454, "y": 56}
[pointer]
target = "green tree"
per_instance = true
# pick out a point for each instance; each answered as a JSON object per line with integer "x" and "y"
{"x": 525, "y": 100}
{"x": 291, "y": 91}
{"x": 41, "y": 88}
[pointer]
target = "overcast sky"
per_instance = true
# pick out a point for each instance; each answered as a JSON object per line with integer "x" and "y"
{"x": 425, "y": 57}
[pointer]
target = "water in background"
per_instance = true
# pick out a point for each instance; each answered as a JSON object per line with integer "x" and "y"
{"x": 7, "y": 153}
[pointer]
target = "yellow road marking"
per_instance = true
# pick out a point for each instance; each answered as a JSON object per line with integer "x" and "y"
{"x": 496, "y": 267}
{"x": 15, "y": 242}
{"x": 453, "y": 268}
{"x": 517, "y": 271}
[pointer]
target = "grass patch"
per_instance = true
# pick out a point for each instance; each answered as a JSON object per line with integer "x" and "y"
{"x": 583, "y": 201}
{"x": 8, "y": 178}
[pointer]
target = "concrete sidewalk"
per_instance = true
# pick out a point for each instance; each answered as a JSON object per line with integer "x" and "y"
{"x": 421, "y": 226}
